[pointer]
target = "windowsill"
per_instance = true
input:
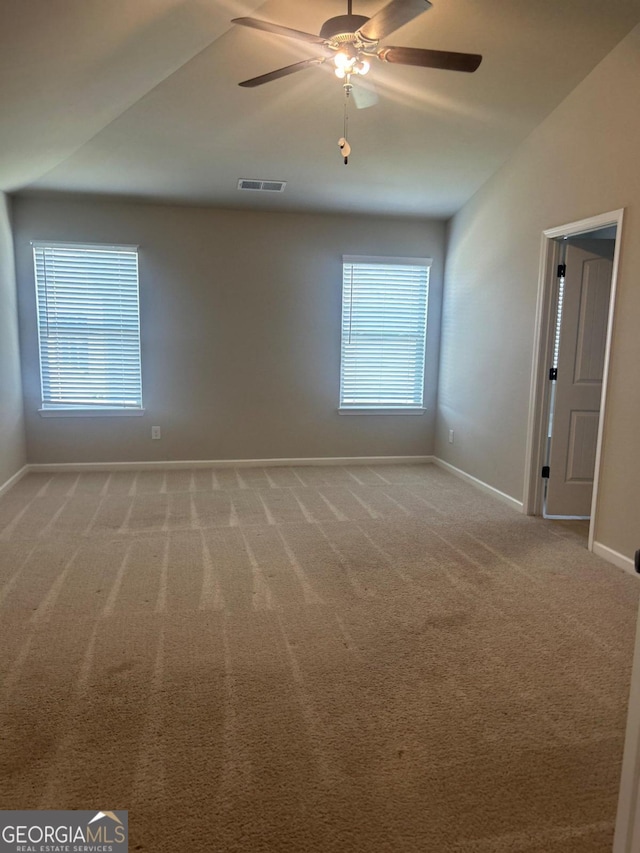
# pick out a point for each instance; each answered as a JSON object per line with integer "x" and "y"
{"x": 90, "y": 413}
{"x": 381, "y": 411}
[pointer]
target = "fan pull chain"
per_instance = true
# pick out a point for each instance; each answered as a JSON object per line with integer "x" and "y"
{"x": 343, "y": 145}
{"x": 346, "y": 122}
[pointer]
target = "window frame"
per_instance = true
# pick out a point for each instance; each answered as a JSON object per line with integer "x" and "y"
{"x": 86, "y": 411}
{"x": 382, "y": 409}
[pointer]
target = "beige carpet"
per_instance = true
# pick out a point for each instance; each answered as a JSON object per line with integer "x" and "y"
{"x": 310, "y": 660}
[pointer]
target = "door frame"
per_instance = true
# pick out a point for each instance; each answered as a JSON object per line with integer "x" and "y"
{"x": 542, "y": 352}
{"x": 627, "y": 832}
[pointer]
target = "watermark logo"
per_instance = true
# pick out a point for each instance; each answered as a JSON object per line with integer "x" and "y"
{"x": 64, "y": 832}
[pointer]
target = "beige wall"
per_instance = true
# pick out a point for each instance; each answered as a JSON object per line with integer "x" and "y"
{"x": 12, "y": 446}
{"x": 240, "y": 318}
{"x": 582, "y": 160}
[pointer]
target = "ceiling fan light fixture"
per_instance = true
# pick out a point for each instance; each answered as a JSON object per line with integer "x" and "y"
{"x": 355, "y": 39}
{"x": 343, "y": 60}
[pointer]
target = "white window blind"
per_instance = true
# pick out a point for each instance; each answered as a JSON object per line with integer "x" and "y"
{"x": 384, "y": 324}
{"x": 88, "y": 326}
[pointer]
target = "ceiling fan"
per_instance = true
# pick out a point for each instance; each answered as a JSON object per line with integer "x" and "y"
{"x": 352, "y": 40}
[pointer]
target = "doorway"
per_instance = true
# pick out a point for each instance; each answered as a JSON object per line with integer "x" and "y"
{"x": 581, "y": 316}
{"x": 574, "y": 321}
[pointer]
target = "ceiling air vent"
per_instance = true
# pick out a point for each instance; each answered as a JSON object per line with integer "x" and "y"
{"x": 262, "y": 186}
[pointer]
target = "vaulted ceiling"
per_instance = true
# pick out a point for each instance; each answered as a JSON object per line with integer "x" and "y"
{"x": 139, "y": 98}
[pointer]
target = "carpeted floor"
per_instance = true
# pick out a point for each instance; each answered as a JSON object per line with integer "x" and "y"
{"x": 310, "y": 660}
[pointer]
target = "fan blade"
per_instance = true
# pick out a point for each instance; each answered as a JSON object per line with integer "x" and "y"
{"x": 281, "y": 72}
{"x": 277, "y": 29}
{"x": 364, "y": 94}
{"x": 391, "y": 17}
{"x": 431, "y": 58}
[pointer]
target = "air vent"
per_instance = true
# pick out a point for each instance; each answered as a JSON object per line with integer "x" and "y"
{"x": 262, "y": 186}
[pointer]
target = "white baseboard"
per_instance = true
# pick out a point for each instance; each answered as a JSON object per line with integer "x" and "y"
{"x": 62, "y": 467}
{"x": 615, "y": 557}
{"x": 13, "y": 480}
{"x": 501, "y": 496}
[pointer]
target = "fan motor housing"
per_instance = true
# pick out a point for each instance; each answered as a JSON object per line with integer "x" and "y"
{"x": 342, "y": 28}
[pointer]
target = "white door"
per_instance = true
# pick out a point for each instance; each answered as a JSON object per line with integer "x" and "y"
{"x": 576, "y": 414}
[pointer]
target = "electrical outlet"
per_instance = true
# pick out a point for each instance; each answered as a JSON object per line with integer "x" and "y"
{"x": 155, "y": 432}
{"x": 451, "y": 434}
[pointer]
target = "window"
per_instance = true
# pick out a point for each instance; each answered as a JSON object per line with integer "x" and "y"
{"x": 384, "y": 324}
{"x": 88, "y": 328}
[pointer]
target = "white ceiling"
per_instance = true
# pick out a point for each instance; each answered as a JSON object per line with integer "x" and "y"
{"x": 139, "y": 98}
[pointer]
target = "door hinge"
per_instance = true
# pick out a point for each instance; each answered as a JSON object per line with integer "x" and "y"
{"x": 553, "y": 374}
{"x": 545, "y": 472}
{"x": 562, "y": 270}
